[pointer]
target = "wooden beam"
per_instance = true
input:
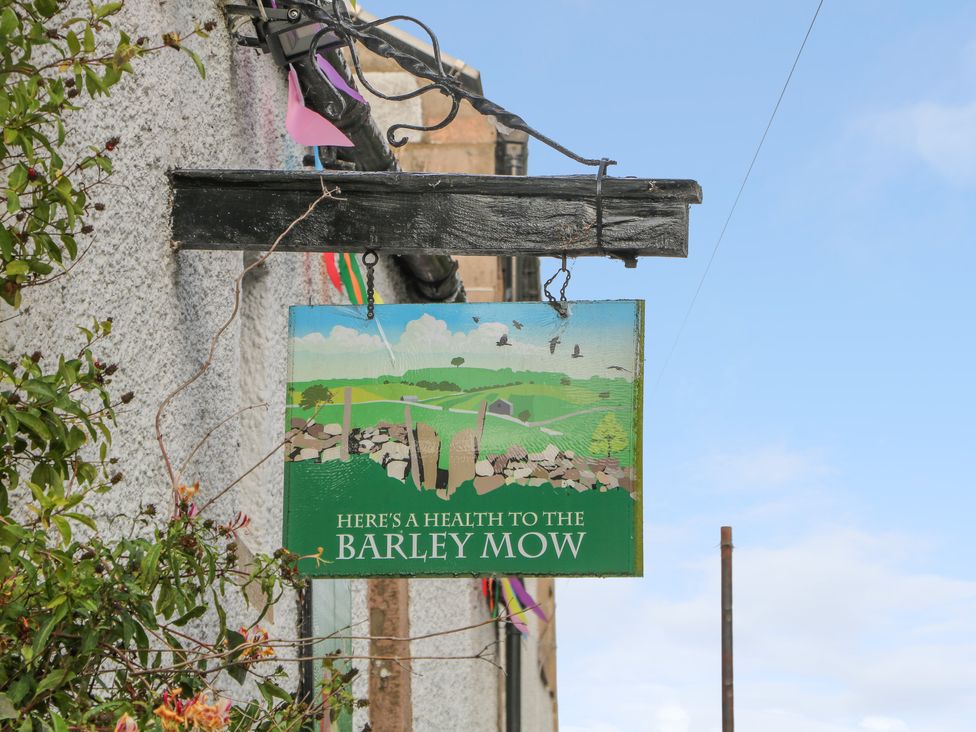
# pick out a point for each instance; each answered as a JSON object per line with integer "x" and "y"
{"x": 427, "y": 213}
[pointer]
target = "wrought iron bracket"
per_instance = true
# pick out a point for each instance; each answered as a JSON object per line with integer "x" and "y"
{"x": 295, "y": 29}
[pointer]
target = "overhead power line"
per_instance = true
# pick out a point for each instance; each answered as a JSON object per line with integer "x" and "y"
{"x": 735, "y": 203}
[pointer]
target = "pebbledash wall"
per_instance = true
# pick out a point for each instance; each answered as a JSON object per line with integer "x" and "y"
{"x": 167, "y": 304}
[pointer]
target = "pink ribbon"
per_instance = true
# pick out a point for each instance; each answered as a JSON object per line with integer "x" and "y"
{"x": 307, "y": 127}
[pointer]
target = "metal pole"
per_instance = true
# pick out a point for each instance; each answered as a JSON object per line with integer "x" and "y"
{"x": 728, "y": 696}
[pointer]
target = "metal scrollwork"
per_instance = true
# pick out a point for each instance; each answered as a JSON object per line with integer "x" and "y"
{"x": 297, "y": 28}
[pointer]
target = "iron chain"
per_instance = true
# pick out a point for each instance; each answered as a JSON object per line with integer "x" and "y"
{"x": 370, "y": 258}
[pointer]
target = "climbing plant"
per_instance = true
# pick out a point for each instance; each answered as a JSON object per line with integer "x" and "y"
{"x": 98, "y": 612}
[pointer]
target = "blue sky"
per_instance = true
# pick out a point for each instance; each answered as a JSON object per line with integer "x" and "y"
{"x": 821, "y": 399}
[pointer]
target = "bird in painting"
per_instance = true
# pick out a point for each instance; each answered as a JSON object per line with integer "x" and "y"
{"x": 475, "y": 318}
{"x": 553, "y": 342}
{"x": 576, "y": 351}
{"x": 503, "y": 341}
{"x": 618, "y": 368}
{"x": 518, "y": 325}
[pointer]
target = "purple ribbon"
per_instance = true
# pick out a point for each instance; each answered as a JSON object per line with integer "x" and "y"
{"x": 337, "y": 79}
{"x": 526, "y": 599}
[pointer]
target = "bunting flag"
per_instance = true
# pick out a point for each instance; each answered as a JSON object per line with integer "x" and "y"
{"x": 347, "y": 277}
{"x": 508, "y": 596}
{"x": 308, "y": 127}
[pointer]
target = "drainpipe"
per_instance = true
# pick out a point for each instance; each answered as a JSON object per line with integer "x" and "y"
{"x": 513, "y": 679}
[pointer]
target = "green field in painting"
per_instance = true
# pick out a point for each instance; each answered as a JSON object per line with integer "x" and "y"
{"x": 546, "y": 407}
{"x": 317, "y": 493}
{"x": 574, "y": 433}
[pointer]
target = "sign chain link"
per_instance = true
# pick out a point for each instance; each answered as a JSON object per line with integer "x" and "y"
{"x": 370, "y": 258}
{"x": 560, "y": 304}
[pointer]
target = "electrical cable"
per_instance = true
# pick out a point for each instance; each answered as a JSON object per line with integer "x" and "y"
{"x": 738, "y": 195}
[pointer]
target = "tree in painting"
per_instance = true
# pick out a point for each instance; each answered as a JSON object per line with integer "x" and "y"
{"x": 315, "y": 395}
{"x": 457, "y": 361}
{"x": 609, "y": 436}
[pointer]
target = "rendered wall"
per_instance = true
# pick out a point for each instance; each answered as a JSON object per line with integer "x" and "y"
{"x": 166, "y": 305}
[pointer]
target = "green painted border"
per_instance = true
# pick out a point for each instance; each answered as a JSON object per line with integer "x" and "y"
{"x": 637, "y": 566}
{"x": 639, "y": 440}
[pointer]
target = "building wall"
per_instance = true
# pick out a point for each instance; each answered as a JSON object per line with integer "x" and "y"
{"x": 167, "y": 304}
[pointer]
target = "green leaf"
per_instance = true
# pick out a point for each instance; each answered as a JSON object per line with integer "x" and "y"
{"x": 18, "y": 690}
{"x": 192, "y": 615}
{"x": 7, "y": 243}
{"x": 275, "y": 691}
{"x": 74, "y": 45}
{"x": 40, "y": 640}
{"x": 107, "y": 9}
{"x": 53, "y": 680}
{"x": 237, "y": 672}
{"x": 18, "y": 177}
{"x": 63, "y": 527}
{"x": 8, "y": 21}
{"x": 142, "y": 644}
{"x": 17, "y": 267}
{"x": 7, "y": 710}
{"x": 47, "y": 8}
{"x": 59, "y": 724}
{"x": 35, "y": 425}
{"x": 150, "y": 565}
{"x": 196, "y": 60}
{"x": 82, "y": 519}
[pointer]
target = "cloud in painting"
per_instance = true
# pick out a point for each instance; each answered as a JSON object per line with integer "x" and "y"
{"x": 429, "y": 342}
{"x": 340, "y": 340}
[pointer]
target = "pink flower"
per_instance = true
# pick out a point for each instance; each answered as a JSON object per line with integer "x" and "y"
{"x": 240, "y": 521}
{"x": 126, "y": 724}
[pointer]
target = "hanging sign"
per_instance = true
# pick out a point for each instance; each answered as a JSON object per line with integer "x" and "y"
{"x": 465, "y": 439}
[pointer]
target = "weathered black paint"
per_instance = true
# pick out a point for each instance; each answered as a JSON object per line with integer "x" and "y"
{"x": 431, "y": 213}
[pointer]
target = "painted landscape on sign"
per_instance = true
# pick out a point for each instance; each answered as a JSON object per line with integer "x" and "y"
{"x": 475, "y": 408}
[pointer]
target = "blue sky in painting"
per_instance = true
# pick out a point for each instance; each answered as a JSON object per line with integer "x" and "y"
{"x": 338, "y": 341}
{"x": 821, "y": 398}
{"x": 614, "y": 320}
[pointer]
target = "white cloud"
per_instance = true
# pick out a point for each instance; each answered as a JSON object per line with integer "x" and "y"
{"x": 883, "y": 724}
{"x": 766, "y": 466}
{"x": 830, "y": 636}
{"x": 942, "y": 135}
{"x": 673, "y": 718}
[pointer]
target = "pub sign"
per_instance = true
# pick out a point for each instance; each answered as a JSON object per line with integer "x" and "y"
{"x": 465, "y": 439}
